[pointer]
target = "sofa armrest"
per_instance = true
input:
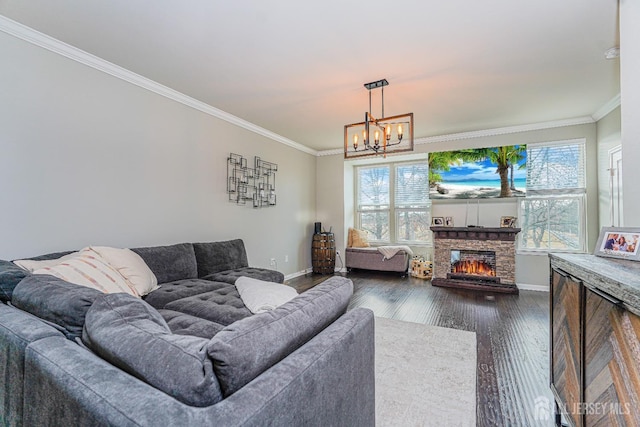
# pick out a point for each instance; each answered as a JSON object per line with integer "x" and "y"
{"x": 327, "y": 381}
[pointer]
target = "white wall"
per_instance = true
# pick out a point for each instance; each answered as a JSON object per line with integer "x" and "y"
{"x": 630, "y": 99}
{"x": 86, "y": 158}
{"x": 530, "y": 269}
{"x": 609, "y": 137}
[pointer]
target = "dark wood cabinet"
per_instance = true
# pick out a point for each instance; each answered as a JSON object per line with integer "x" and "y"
{"x": 595, "y": 340}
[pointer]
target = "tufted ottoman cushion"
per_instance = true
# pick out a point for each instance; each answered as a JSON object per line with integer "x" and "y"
{"x": 230, "y": 276}
{"x": 222, "y": 305}
{"x": 186, "y": 324}
{"x": 179, "y": 289}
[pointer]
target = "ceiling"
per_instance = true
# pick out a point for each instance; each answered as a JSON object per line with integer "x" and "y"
{"x": 298, "y": 68}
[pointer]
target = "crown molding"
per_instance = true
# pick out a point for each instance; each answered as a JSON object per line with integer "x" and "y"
{"x": 44, "y": 41}
{"x": 613, "y": 103}
{"x": 487, "y": 132}
{"x": 506, "y": 130}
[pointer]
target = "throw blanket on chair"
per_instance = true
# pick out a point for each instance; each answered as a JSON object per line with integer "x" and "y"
{"x": 390, "y": 251}
{"x": 260, "y": 296}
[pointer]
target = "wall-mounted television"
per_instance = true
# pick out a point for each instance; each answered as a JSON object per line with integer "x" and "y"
{"x": 478, "y": 173}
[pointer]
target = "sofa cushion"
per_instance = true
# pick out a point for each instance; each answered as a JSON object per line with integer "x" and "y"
{"x": 130, "y": 334}
{"x": 185, "y": 324}
{"x": 222, "y": 305}
{"x": 10, "y": 276}
{"x": 246, "y": 348}
{"x": 181, "y": 289}
{"x": 230, "y": 276}
{"x": 170, "y": 263}
{"x": 56, "y": 301}
{"x": 91, "y": 270}
{"x": 213, "y": 257}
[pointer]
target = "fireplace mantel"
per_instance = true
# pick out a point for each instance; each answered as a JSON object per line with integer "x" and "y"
{"x": 501, "y": 241}
{"x": 507, "y": 234}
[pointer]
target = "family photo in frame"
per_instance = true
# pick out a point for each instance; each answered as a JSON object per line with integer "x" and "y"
{"x": 620, "y": 243}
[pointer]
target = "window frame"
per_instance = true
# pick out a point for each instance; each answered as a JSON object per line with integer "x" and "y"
{"x": 553, "y": 194}
{"x": 392, "y": 210}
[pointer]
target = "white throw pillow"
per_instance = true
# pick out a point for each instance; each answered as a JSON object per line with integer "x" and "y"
{"x": 90, "y": 270}
{"x": 31, "y": 265}
{"x": 131, "y": 266}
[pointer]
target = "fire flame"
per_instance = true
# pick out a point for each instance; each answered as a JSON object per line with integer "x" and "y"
{"x": 474, "y": 267}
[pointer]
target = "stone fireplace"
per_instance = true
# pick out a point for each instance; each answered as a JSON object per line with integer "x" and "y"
{"x": 475, "y": 258}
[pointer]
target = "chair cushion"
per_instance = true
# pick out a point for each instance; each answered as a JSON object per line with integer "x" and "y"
{"x": 130, "y": 334}
{"x": 230, "y": 276}
{"x": 10, "y": 276}
{"x": 56, "y": 301}
{"x": 170, "y": 263}
{"x": 213, "y": 257}
{"x": 248, "y": 347}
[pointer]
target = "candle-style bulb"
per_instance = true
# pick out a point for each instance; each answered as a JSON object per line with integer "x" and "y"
{"x": 399, "y": 132}
{"x": 364, "y": 137}
{"x": 355, "y": 141}
{"x": 377, "y": 137}
{"x": 387, "y": 132}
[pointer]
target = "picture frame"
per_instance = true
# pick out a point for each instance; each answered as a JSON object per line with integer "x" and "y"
{"x": 448, "y": 221}
{"x": 508, "y": 221}
{"x": 437, "y": 221}
{"x": 619, "y": 242}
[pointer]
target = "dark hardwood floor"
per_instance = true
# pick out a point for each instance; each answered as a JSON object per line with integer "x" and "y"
{"x": 512, "y": 334}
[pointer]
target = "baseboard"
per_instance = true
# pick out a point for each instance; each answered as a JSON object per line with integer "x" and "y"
{"x": 297, "y": 274}
{"x": 537, "y": 288}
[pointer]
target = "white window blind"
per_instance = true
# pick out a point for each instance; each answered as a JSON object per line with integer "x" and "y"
{"x": 559, "y": 167}
{"x": 412, "y": 185}
{"x": 373, "y": 187}
{"x": 412, "y": 204}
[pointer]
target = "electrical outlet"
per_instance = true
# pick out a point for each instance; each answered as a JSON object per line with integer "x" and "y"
{"x": 286, "y": 258}
{"x": 337, "y": 253}
{"x": 273, "y": 262}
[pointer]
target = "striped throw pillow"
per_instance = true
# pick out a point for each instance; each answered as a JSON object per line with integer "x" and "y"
{"x": 90, "y": 270}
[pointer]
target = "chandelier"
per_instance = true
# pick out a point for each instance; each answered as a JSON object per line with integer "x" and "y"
{"x": 384, "y": 135}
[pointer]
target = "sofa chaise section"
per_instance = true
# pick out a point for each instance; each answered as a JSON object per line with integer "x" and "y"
{"x": 327, "y": 381}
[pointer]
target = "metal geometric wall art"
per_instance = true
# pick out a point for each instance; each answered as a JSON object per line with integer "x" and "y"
{"x": 256, "y": 185}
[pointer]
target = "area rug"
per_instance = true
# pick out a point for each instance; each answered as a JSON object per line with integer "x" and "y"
{"x": 425, "y": 375}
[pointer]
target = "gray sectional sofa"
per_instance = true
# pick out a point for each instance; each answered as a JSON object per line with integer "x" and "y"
{"x": 188, "y": 353}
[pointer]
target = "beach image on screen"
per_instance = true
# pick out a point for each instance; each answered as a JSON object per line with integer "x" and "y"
{"x": 478, "y": 173}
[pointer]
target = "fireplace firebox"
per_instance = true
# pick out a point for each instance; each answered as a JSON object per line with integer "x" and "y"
{"x": 473, "y": 265}
{"x": 475, "y": 258}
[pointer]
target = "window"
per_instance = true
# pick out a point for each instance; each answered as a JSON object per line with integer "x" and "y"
{"x": 552, "y": 216}
{"x": 393, "y": 202}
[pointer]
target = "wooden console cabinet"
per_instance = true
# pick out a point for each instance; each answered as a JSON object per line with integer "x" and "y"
{"x": 595, "y": 340}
